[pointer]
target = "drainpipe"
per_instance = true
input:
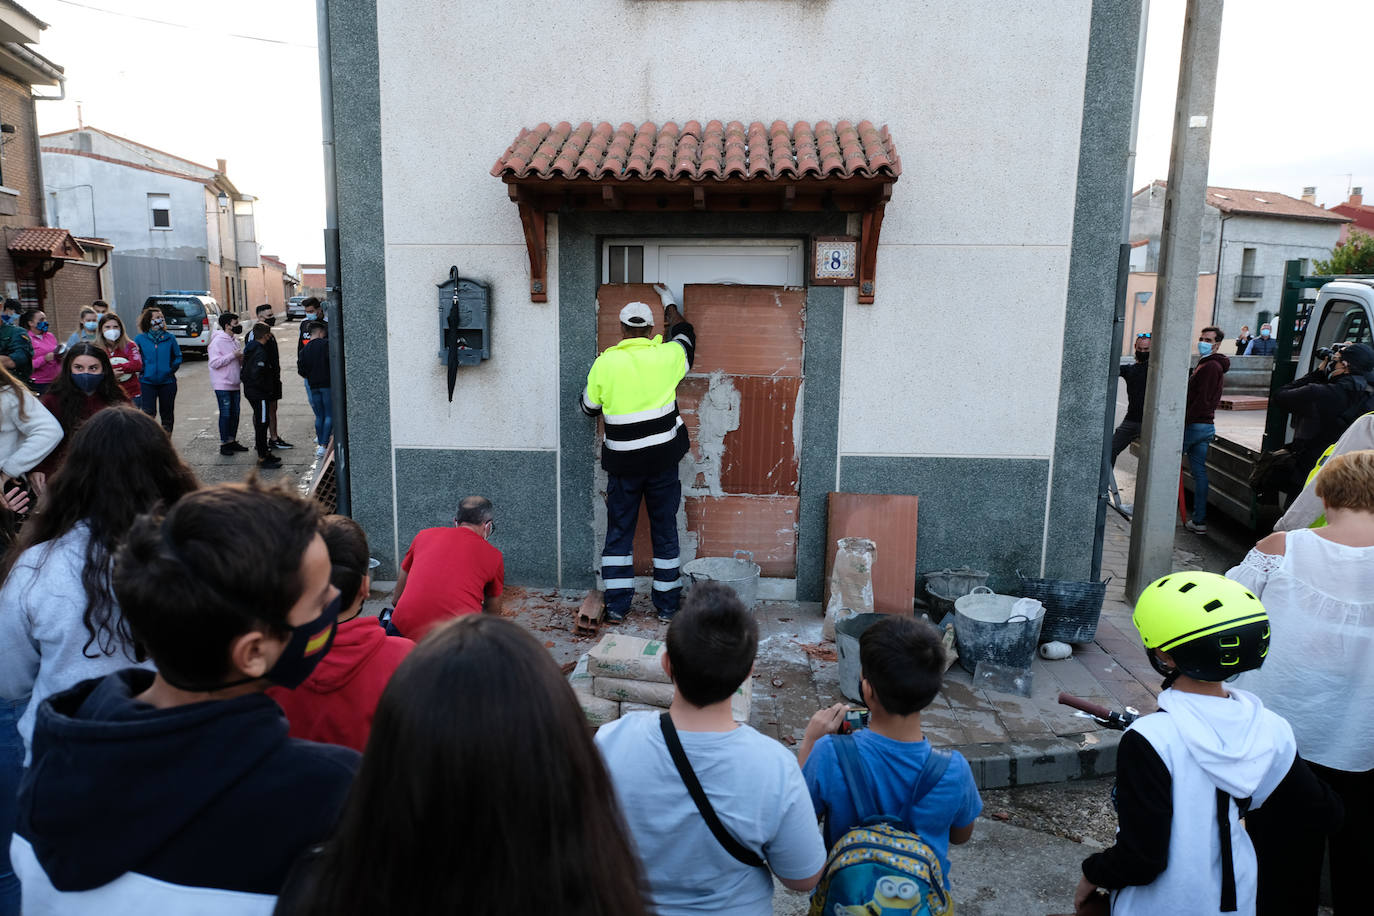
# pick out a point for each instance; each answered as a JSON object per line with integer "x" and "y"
{"x": 1123, "y": 268}
{"x": 334, "y": 289}
{"x": 1216, "y": 293}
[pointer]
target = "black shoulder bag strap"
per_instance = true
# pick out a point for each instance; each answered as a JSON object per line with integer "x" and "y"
{"x": 689, "y": 778}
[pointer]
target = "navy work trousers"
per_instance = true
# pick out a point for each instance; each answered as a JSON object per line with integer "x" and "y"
{"x": 662, "y": 494}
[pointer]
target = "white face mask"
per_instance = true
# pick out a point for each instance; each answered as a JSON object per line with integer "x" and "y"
{"x": 112, "y": 334}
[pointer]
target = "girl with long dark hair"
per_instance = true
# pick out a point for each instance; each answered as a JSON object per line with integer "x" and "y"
{"x": 86, "y": 386}
{"x": 126, "y": 358}
{"x": 480, "y": 792}
{"x": 59, "y": 622}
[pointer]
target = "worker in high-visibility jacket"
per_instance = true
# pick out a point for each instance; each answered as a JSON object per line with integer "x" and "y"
{"x": 633, "y": 388}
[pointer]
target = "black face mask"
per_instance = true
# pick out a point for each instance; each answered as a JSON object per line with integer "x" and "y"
{"x": 236, "y": 330}
{"x": 309, "y": 643}
{"x": 270, "y": 320}
{"x": 1142, "y": 356}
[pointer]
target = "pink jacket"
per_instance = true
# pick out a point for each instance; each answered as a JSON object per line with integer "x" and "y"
{"x": 226, "y": 361}
{"x": 45, "y": 371}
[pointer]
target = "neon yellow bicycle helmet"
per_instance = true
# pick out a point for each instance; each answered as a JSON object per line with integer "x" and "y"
{"x": 1211, "y": 626}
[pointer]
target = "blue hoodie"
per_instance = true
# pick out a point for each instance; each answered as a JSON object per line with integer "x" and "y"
{"x": 200, "y": 808}
{"x": 161, "y": 356}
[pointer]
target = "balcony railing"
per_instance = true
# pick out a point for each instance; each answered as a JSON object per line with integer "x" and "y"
{"x": 1249, "y": 286}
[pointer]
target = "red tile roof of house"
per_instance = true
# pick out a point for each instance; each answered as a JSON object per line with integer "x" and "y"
{"x": 46, "y": 242}
{"x": 695, "y": 153}
{"x": 1361, "y": 216}
{"x": 1268, "y": 203}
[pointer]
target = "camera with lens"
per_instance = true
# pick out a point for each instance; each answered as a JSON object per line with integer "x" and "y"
{"x": 1334, "y": 349}
{"x": 854, "y": 719}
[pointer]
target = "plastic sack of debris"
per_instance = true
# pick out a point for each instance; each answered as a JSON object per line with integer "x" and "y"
{"x": 628, "y": 657}
{"x": 598, "y": 711}
{"x": 851, "y": 583}
{"x": 627, "y": 691}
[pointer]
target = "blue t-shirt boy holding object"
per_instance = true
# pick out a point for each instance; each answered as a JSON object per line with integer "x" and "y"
{"x": 902, "y": 661}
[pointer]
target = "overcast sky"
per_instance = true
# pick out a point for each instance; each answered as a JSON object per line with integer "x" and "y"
{"x": 1292, "y": 103}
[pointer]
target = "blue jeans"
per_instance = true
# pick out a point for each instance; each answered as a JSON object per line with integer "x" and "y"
{"x": 661, "y": 494}
{"x": 1197, "y": 438}
{"x": 228, "y": 415}
{"x": 11, "y": 771}
{"x": 162, "y": 399}
{"x": 323, "y": 405}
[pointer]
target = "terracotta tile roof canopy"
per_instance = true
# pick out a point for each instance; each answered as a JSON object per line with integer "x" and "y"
{"x": 693, "y": 153}
{"x": 723, "y": 167}
{"x": 44, "y": 242}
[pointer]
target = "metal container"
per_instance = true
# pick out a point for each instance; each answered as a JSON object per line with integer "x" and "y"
{"x": 740, "y": 573}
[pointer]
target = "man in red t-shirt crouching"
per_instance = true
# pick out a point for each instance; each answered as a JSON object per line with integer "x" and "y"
{"x": 448, "y": 572}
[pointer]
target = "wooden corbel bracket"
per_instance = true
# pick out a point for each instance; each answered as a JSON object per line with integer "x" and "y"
{"x": 534, "y": 220}
{"x": 870, "y": 229}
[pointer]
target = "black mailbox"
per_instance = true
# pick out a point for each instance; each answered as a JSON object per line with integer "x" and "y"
{"x": 470, "y": 336}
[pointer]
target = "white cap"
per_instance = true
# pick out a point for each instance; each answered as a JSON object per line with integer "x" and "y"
{"x": 637, "y": 315}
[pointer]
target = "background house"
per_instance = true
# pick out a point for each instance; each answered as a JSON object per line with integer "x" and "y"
{"x": 1361, "y": 215}
{"x": 1246, "y": 238}
{"x": 312, "y": 279}
{"x": 41, "y": 265}
{"x": 991, "y": 204}
{"x": 175, "y": 224}
{"x": 268, "y": 283}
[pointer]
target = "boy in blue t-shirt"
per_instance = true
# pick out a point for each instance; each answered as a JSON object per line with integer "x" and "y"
{"x": 902, "y": 662}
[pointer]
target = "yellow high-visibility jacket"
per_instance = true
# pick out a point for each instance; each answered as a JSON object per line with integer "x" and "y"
{"x": 633, "y": 388}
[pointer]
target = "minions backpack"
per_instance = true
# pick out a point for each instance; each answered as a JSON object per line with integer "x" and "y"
{"x": 881, "y": 867}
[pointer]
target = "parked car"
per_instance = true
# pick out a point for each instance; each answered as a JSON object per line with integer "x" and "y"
{"x": 294, "y": 309}
{"x": 191, "y": 316}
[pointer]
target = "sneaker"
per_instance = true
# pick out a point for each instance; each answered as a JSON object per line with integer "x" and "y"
{"x": 226, "y": 449}
{"x": 666, "y": 616}
{"x": 319, "y": 451}
{"x": 238, "y": 446}
{"x": 271, "y": 461}
{"x": 1195, "y": 527}
{"x": 281, "y": 443}
{"x": 614, "y": 616}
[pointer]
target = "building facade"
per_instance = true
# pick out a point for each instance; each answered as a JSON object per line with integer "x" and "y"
{"x": 268, "y": 283}
{"x": 175, "y": 224}
{"x": 976, "y": 174}
{"x": 1247, "y": 236}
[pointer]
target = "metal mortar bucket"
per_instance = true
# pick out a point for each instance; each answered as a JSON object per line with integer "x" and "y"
{"x": 740, "y": 573}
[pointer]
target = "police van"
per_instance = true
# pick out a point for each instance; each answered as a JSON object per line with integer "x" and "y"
{"x": 191, "y": 316}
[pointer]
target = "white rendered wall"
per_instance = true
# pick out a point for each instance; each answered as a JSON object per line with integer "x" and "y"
{"x": 1275, "y": 241}
{"x": 984, "y": 100}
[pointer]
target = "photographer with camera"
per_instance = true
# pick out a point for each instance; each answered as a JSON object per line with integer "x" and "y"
{"x": 1323, "y": 403}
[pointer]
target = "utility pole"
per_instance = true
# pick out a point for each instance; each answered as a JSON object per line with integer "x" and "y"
{"x": 1154, "y": 520}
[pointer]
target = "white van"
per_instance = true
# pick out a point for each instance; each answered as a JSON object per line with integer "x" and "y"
{"x": 191, "y": 316}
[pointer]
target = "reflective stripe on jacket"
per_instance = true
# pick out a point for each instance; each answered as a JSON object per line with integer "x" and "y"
{"x": 633, "y": 388}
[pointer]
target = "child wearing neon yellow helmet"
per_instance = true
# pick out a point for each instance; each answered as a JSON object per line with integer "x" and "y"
{"x": 1187, "y": 774}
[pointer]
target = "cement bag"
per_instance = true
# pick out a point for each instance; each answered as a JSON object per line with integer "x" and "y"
{"x": 742, "y": 701}
{"x": 627, "y": 691}
{"x": 628, "y": 658}
{"x": 851, "y": 583}
{"x": 627, "y": 708}
{"x": 597, "y": 710}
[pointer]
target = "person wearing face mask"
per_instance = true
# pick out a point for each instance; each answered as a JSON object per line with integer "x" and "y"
{"x": 273, "y": 366}
{"x": 85, "y": 387}
{"x": 1204, "y": 394}
{"x": 226, "y": 365}
{"x": 86, "y": 328}
{"x": 161, "y": 357}
{"x": 1243, "y": 339}
{"x": 336, "y": 703}
{"x": 448, "y": 572}
{"x": 47, "y": 352}
{"x": 179, "y": 790}
{"x": 1135, "y": 376}
{"x": 16, "y": 350}
{"x": 125, "y": 356}
{"x": 1323, "y": 404}
{"x": 1264, "y": 344}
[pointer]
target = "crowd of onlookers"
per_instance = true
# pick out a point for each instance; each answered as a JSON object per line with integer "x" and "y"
{"x": 197, "y": 716}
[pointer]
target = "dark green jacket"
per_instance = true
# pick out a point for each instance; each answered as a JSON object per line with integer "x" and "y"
{"x": 15, "y": 343}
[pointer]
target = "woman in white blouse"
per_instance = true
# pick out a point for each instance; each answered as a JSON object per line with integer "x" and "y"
{"x": 1318, "y": 586}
